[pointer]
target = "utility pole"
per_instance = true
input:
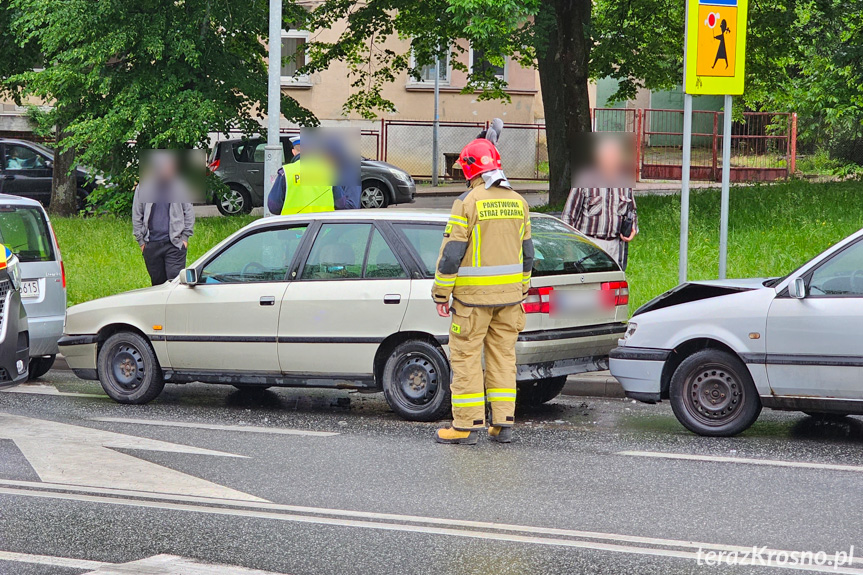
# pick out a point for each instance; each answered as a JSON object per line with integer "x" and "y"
{"x": 273, "y": 150}
{"x": 435, "y": 142}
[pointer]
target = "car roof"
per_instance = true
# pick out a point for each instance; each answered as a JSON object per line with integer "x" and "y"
{"x": 18, "y": 200}
{"x": 402, "y": 215}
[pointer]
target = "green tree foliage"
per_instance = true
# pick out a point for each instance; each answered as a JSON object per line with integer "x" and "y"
{"x": 806, "y": 56}
{"x": 129, "y": 75}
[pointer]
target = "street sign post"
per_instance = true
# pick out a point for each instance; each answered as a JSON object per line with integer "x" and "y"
{"x": 713, "y": 63}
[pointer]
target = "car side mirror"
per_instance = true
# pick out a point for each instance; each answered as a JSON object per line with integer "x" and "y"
{"x": 797, "y": 288}
{"x": 189, "y": 277}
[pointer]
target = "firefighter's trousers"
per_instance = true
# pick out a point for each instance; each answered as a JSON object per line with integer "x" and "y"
{"x": 494, "y": 332}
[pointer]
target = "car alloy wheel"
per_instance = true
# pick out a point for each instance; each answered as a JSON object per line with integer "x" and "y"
{"x": 232, "y": 202}
{"x": 373, "y": 197}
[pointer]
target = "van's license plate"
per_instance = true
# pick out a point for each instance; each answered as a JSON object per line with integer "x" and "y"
{"x": 30, "y": 288}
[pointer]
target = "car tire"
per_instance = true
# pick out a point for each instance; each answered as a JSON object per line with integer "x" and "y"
{"x": 128, "y": 369}
{"x": 375, "y": 195}
{"x": 235, "y": 201}
{"x": 539, "y": 391}
{"x": 39, "y": 366}
{"x": 712, "y": 393}
{"x": 415, "y": 381}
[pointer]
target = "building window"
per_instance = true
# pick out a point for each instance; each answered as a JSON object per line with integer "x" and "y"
{"x": 294, "y": 56}
{"x": 427, "y": 72}
{"x": 479, "y": 64}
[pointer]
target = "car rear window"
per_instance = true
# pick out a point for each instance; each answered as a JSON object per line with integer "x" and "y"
{"x": 249, "y": 151}
{"x": 24, "y": 230}
{"x": 560, "y": 251}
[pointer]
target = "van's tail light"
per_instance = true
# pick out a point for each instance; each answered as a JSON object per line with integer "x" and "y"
{"x": 59, "y": 257}
{"x": 538, "y": 300}
{"x": 616, "y": 293}
{"x": 63, "y": 269}
{"x": 214, "y": 165}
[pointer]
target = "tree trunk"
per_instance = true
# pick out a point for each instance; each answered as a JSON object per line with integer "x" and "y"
{"x": 64, "y": 185}
{"x": 563, "y": 53}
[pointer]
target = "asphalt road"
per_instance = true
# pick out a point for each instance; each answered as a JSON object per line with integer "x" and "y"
{"x": 317, "y": 482}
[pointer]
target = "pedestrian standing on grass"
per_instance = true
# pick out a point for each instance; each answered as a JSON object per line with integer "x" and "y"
{"x": 601, "y": 204}
{"x": 163, "y": 218}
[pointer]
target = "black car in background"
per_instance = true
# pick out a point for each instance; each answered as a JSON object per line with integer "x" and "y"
{"x": 239, "y": 163}
{"x": 27, "y": 168}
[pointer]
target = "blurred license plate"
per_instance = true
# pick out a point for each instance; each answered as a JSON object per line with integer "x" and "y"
{"x": 575, "y": 302}
{"x": 30, "y": 288}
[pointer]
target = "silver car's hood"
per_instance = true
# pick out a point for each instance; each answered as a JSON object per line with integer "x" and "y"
{"x": 700, "y": 290}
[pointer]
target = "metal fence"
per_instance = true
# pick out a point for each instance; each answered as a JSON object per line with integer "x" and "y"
{"x": 762, "y": 145}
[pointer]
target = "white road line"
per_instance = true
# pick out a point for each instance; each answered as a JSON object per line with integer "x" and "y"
{"x": 745, "y": 460}
{"x": 52, "y": 561}
{"x": 418, "y": 524}
{"x": 42, "y": 389}
{"x": 214, "y": 427}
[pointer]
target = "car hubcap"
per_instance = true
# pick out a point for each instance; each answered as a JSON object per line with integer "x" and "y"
{"x": 418, "y": 379}
{"x": 127, "y": 367}
{"x": 232, "y": 201}
{"x": 373, "y": 197}
{"x": 713, "y": 395}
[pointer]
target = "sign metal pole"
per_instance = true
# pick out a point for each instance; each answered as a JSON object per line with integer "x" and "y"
{"x": 684, "y": 187}
{"x": 726, "y": 179}
{"x": 435, "y": 130}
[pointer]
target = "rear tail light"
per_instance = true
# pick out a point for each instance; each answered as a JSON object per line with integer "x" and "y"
{"x": 214, "y": 165}
{"x": 617, "y": 293}
{"x": 63, "y": 269}
{"x": 538, "y": 300}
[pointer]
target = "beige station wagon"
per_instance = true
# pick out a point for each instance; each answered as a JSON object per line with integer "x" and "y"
{"x": 342, "y": 300}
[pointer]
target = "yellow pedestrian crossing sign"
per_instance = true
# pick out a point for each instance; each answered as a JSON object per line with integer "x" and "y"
{"x": 715, "y": 48}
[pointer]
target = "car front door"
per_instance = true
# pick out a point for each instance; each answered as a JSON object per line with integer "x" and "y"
{"x": 351, "y": 294}
{"x": 27, "y": 173}
{"x": 815, "y": 344}
{"x": 228, "y": 322}
{"x": 249, "y": 156}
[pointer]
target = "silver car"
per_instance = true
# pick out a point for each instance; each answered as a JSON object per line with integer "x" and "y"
{"x": 26, "y": 230}
{"x": 341, "y": 299}
{"x": 722, "y": 350}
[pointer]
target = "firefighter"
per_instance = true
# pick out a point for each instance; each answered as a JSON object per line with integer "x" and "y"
{"x": 482, "y": 276}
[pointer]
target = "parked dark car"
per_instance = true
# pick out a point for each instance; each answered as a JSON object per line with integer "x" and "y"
{"x": 239, "y": 163}
{"x": 27, "y": 168}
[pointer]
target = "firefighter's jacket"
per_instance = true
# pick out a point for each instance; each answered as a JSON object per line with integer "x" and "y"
{"x": 487, "y": 255}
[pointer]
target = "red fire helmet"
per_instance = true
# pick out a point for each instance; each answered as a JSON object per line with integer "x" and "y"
{"x": 477, "y": 157}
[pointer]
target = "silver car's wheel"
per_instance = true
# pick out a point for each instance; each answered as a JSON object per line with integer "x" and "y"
{"x": 712, "y": 393}
{"x": 234, "y": 201}
{"x": 374, "y": 195}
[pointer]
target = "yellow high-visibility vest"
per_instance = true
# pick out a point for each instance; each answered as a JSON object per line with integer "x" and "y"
{"x": 303, "y": 198}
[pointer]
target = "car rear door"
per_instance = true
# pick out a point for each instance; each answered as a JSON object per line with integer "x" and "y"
{"x": 814, "y": 344}
{"x": 351, "y": 293}
{"x": 229, "y": 321}
{"x": 249, "y": 158}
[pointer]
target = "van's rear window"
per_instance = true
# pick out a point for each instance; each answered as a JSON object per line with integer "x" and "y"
{"x": 560, "y": 251}
{"x": 25, "y": 231}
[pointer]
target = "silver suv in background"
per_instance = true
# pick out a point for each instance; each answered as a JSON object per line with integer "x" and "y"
{"x": 26, "y": 230}
{"x": 239, "y": 163}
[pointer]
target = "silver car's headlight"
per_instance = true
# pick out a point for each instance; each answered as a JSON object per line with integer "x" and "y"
{"x": 14, "y": 271}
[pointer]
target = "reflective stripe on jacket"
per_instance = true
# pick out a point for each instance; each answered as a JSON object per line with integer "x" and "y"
{"x": 487, "y": 253}
{"x": 301, "y": 198}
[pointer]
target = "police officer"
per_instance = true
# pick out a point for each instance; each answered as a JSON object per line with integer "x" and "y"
{"x": 290, "y": 194}
{"x": 483, "y": 274}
